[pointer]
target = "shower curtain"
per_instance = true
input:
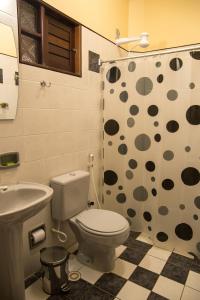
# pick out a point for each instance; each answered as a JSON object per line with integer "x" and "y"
{"x": 152, "y": 146}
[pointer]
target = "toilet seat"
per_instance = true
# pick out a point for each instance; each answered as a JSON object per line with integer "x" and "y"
{"x": 101, "y": 222}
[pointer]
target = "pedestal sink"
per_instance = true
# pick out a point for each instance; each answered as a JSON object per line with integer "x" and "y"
{"x": 17, "y": 204}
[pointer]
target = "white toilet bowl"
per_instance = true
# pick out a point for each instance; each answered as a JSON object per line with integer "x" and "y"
{"x": 98, "y": 233}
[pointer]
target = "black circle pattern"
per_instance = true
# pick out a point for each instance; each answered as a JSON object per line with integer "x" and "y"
{"x": 162, "y": 237}
{"x": 123, "y": 96}
{"x": 184, "y": 231}
{"x": 121, "y": 198}
{"x": 176, "y": 64}
{"x": 154, "y": 192}
{"x": 134, "y": 110}
{"x": 168, "y": 184}
{"x": 157, "y": 137}
{"x": 132, "y": 163}
{"x": 113, "y": 74}
{"x": 197, "y": 202}
{"x": 150, "y": 166}
{"x": 190, "y": 176}
{"x": 195, "y": 54}
{"x": 160, "y": 78}
{"x": 131, "y": 212}
{"x": 147, "y": 216}
{"x": 110, "y": 177}
{"x": 123, "y": 149}
{"x": 158, "y": 64}
{"x": 153, "y": 110}
{"x": 193, "y": 114}
{"x": 111, "y": 127}
{"x": 172, "y": 126}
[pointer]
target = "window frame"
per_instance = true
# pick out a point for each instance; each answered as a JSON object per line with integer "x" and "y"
{"x": 45, "y": 9}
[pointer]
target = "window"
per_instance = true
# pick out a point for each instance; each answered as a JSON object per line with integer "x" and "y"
{"x": 48, "y": 38}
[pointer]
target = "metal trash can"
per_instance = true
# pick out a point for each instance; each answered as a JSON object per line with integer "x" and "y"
{"x": 54, "y": 276}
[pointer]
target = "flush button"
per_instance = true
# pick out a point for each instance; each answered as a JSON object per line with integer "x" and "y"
{"x": 72, "y": 174}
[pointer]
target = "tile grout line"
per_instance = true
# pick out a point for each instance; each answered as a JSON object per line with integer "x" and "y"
{"x": 192, "y": 288}
{"x": 182, "y": 292}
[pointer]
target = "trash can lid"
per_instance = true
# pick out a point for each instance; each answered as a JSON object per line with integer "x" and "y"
{"x": 54, "y": 255}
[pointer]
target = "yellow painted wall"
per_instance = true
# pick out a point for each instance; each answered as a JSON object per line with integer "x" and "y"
{"x": 170, "y": 23}
{"x": 136, "y": 21}
{"x": 102, "y": 16}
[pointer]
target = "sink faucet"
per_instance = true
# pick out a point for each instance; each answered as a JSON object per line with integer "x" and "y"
{"x": 3, "y": 188}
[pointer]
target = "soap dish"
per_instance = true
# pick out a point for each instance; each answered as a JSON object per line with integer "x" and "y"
{"x": 9, "y": 160}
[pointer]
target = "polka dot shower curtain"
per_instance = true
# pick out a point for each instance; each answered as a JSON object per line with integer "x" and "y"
{"x": 152, "y": 146}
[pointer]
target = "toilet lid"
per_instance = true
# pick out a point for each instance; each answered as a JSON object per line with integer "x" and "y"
{"x": 101, "y": 220}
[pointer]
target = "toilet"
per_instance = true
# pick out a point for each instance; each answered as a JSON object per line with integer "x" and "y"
{"x": 97, "y": 231}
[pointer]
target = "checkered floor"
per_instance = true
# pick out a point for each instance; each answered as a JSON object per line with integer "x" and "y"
{"x": 142, "y": 271}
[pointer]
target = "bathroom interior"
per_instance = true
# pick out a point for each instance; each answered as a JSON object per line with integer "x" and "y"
{"x": 99, "y": 150}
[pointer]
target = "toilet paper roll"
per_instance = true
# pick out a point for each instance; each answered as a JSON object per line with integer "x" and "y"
{"x": 38, "y": 236}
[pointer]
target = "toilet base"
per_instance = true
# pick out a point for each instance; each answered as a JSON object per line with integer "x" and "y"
{"x": 98, "y": 257}
{"x": 97, "y": 251}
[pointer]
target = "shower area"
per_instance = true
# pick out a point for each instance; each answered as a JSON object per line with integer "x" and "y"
{"x": 152, "y": 145}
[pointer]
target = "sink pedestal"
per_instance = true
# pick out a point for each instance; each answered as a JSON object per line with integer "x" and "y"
{"x": 18, "y": 203}
{"x": 11, "y": 262}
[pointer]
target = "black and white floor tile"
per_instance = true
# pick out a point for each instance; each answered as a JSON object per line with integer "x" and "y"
{"x": 142, "y": 272}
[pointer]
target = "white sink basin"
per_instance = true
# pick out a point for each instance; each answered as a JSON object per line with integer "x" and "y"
{"x": 17, "y": 203}
{"x": 21, "y": 201}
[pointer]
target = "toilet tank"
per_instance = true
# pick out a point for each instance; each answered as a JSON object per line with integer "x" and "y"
{"x": 70, "y": 194}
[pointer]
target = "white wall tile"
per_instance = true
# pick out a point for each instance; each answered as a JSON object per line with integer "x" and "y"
{"x": 55, "y": 129}
{"x": 64, "y": 120}
{"x": 10, "y": 128}
{"x": 9, "y": 176}
{"x": 33, "y": 171}
{"x": 32, "y": 95}
{"x": 38, "y": 121}
{"x": 34, "y": 147}
{"x": 12, "y": 144}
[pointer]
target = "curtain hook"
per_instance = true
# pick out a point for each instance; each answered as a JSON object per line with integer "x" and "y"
{"x": 45, "y": 84}
{"x": 48, "y": 84}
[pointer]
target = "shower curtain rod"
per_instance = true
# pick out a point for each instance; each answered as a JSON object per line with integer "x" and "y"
{"x": 194, "y": 47}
